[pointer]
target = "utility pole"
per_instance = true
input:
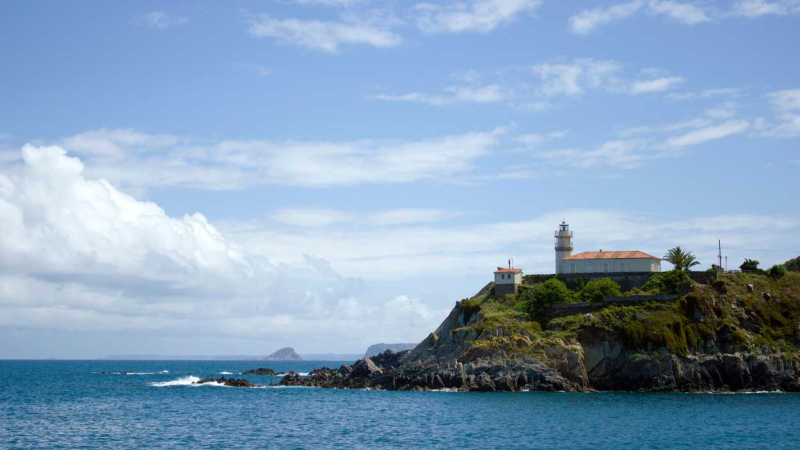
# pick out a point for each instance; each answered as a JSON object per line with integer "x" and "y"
{"x": 720, "y": 252}
{"x": 726, "y": 263}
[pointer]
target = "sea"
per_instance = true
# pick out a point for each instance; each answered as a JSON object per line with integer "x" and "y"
{"x": 154, "y": 405}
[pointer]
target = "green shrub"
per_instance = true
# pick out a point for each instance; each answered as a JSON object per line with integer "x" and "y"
{"x": 793, "y": 265}
{"x": 749, "y": 264}
{"x": 777, "y": 271}
{"x": 544, "y": 295}
{"x": 666, "y": 282}
{"x": 595, "y": 290}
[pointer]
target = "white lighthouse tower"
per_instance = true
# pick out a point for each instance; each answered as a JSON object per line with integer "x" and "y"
{"x": 563, "y": 245}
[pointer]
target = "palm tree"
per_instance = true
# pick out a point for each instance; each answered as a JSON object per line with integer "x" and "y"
{"x": 682, "y": 260}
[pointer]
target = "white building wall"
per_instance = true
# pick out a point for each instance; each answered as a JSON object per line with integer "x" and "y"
{"x": 508, "y": 278}
{"x": 610, "y": 265}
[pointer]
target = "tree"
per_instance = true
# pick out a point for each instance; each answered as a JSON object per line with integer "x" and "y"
{"x": 544, "y": 295}
{"x": 777, "y": 271}
{"x": 749, "y": 264}
{"x": 595, "y": 290}
{"x": 681, "y": 259}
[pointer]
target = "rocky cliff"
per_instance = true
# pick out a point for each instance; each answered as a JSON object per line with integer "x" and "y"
{"x": 739, "y": 334}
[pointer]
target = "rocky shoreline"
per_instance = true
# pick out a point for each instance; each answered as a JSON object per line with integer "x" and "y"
{"x": 464, "y": 354}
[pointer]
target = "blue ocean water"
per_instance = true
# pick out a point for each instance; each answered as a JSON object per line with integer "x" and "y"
{"x": 71, "y": 404}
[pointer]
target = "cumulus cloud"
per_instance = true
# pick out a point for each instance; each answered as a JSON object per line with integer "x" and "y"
{"x": 78, "y": 254}
{"x": 471, "y": 15}
{"x": 325, "y": 36}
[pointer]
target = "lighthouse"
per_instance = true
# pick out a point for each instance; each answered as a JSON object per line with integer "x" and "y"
{"x": 563, "y": 245}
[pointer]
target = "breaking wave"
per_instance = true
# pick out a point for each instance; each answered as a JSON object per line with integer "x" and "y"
{"x": 226, "y": 373}
{"x": 185, "y": 381}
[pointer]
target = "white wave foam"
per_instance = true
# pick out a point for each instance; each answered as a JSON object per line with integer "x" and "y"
{"x": 226, "y": 373}
{"x": 164, "y": 371}
{"x": 302, "y": 374}
{"x": 185, "y": 381}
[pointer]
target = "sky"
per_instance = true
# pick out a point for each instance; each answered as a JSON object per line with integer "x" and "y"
{"x": 198, "y": 178}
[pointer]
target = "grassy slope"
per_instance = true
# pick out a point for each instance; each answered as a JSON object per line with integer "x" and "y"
{"x": 737, "y": 319}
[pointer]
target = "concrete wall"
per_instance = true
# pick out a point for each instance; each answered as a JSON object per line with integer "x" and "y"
{"x": 609, "y": 265}
{"x": 501, "y": 290}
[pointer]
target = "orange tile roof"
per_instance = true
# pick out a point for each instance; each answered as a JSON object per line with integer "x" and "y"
{"x": 502, "y": 270}
{"x": 635, "y": 254}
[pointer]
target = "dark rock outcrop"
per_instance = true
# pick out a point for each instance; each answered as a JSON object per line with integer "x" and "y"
{"x": 232, "y": 382}
{"x": 261, "y": 371}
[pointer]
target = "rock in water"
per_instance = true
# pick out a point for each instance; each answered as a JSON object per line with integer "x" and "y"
{"x": 232, "y": 382}
{"x": 261, "y": 371}
{"x": 284, "y": 354}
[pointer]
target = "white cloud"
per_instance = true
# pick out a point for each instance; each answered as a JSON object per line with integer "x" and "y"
{"x": 574, "y": 78}
{"x": 137, "y": 160}
{"x": 786, "y": 101}
{"x": 472, "y": 250}
{"x": 706, "y": 94}
{"x": 117, "y": 142}
{"x": 322, "y": 218}
{"x": 685, "y": 13}
{"x": 534, "y": 138}
{"x": 626, "y": 154}
{"x": 656, "y": 85}
{"x": 408, "y": 216}
{"x": 471, "y": 15}
{"x": 584, "y": 74}
{"x": 78, "y": 254}
{"x": 160, "y": 20}
{"x": 709, "y": 133}
{"x": 590, "y": 19}
{"x": 453, "y": 94}
{"x": 759, "y": 8}
{"x": 786, "y": 105}
{"x": 326, "y": 36}
{"x": 309, "y": 217}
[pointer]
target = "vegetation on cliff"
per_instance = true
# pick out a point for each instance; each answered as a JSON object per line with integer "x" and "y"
{"x": 739, "y": 313}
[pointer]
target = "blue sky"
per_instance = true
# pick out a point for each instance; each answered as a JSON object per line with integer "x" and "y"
{"x": 192, "y": 177}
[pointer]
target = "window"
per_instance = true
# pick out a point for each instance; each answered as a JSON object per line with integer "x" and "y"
{"x": 605, "y": 267}
{"x": 622, "y": 267}
{"x": 589, "y": 268}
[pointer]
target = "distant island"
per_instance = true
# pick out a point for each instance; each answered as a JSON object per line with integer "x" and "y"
{"x": 284, "y": 354}
{"x": 377, "y": 349}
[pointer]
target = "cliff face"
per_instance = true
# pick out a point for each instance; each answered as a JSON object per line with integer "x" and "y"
{"x": 738, "y": 334}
